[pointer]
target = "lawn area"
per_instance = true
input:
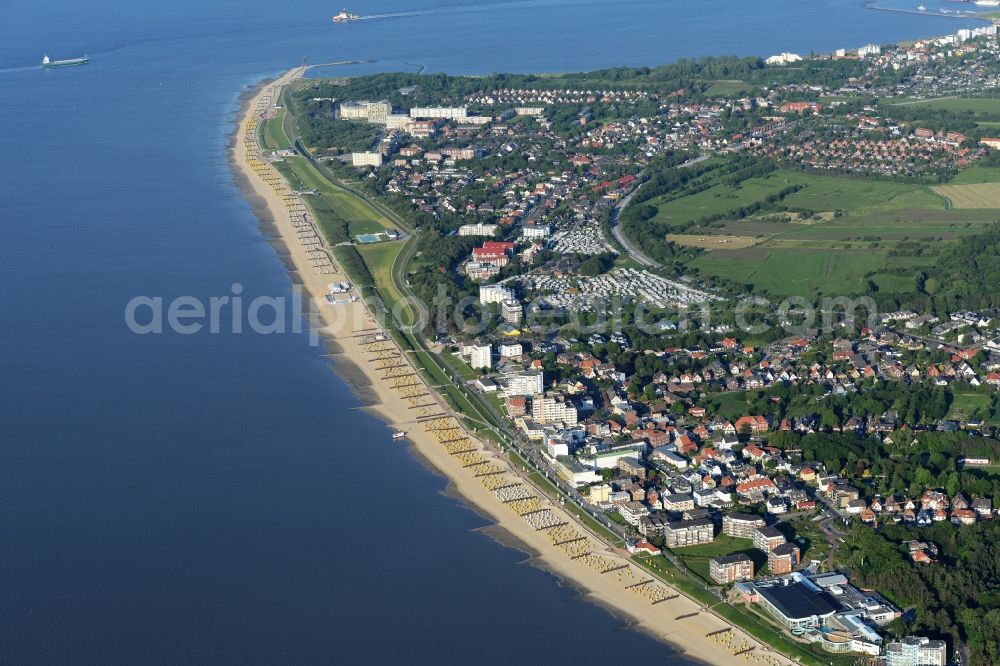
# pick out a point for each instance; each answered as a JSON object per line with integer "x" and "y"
{"x": 460, "y": 366}
{"x": 340, "y": 214}
{"x": 273, "y": 132}
{"x": 965, "y": 403}
{"x": 696, "y": 557}
{"x": 379, "y": 258}
{"x": 728, "y": 87}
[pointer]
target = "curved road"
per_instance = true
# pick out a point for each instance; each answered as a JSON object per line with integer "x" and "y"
{"x": 619, "y": 235}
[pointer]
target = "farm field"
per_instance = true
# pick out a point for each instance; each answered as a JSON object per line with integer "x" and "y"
{"x": 979, "y": 195}
{"x": 845, "y": 246}
{"x": 818, "y": 193}
{"x": 980, "y": 107}
{"x": 977, "y": 174}
{"x": 797, "y": 272}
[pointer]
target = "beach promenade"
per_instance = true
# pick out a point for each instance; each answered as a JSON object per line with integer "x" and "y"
{"x": 480, "y": 475}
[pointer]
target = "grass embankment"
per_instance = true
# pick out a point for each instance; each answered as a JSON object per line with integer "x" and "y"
{"x": 380, "y": 258}
{"x": 340, "y": 214}
{"x": 272, "y": 132}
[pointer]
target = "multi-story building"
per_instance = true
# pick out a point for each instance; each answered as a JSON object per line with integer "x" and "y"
{"x": 513, "y": 349}
{"x": 524, "y": 383}
{"x": 449, "y": 112}
{"x": 373, "y": 112}
{"x": 511, "y": 311}
{"x": 633, "y": 512}
{"x": 494, "y": 293}
{"x": 916, "y": 651}
{"x": 654, "y": 524}
{"x": 783, "y": 558}
{"x": 481, "y": 357}
{"x": 478, "y": 229}
{"x": 741, "y": 525}
{"x": 366, "y": 159}
{"x": 730, "y": 568}
{"x": 678, "y": 502}
{"x": 689, "y": 533}
{"x": 553, "y": 408}
{"x": 767, "y": 538}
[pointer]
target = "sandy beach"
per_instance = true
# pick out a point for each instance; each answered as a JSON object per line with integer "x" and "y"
{"x": 478, "y": 475}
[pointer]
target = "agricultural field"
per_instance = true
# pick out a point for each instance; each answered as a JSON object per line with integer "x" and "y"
{"x": 979, "y": 195}
{"x": 843, "y": 244}
{"x": 977, "y": 174}
{"x": 713, "y": 242}
{"x": 979, "y": 107}
{"x": 818, "y": 193}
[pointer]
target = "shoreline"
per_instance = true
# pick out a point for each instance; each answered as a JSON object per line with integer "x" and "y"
{"x": 550, "y": 537}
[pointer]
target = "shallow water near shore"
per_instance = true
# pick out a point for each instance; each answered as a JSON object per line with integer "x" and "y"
{"x": 223, "y": 498}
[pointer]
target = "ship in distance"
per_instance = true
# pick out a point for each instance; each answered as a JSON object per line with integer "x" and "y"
{"x": 47, "y": 62}
{"x": 344, "y": 16}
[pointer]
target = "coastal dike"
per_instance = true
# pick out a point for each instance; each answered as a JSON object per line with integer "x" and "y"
{"x": 478, "y": 474}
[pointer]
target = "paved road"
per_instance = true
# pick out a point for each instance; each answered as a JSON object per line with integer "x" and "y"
{"x": 619, "y": 235}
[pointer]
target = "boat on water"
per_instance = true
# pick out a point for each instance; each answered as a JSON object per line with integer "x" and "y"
{"x": 399, "y": 434}
{"x": 47, "y": 62}
{"x": 344, "y": 16}
{"x": 922, "y": 8}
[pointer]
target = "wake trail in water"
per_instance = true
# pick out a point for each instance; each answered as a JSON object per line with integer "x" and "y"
{"x": 460, "y": 10}
{"x": 12, "y": 70}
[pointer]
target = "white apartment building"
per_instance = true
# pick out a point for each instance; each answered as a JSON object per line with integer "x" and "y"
{"x": 372, "y": 112}
{"x": 478, "y": 229}
{"x": 535, "y": 231}
{"x": 449, "y": 112}
{"x": 495, "y": 293}
{"x": 366, "y": 159}
{"x": 916, "y": 651}
{"x": 513, "y": 349}
{"x": 553, "y": 409}
{"x": 527, "y": 383}
{"x": 511, "y": 311}
{"x": 481, "y": 357}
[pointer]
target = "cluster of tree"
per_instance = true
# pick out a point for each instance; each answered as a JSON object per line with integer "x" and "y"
{"x": 320, "y": 131}
{"x": 597, "y": 264}
{"x": 906, "y": 464}
{"x": 958, "y": 598}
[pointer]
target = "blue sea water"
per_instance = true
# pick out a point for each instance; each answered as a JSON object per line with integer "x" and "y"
{"x": 220, "y": 498}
